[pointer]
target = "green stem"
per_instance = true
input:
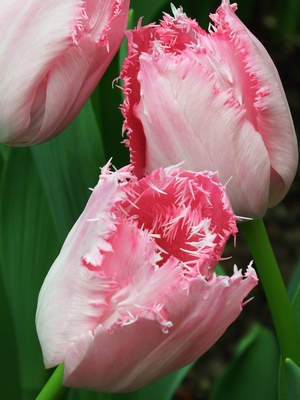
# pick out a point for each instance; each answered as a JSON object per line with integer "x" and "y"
{"x": 274, "y": 288}
{"x": 53, "y": 390}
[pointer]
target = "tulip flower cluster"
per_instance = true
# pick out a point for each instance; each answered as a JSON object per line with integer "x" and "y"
{"x": 132, "y": 295}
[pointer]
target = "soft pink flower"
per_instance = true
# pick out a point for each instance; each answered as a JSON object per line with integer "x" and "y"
{"x": 213, "y": 100}
{"x": 133, "y": 295}
{"x": 52, "y": 55}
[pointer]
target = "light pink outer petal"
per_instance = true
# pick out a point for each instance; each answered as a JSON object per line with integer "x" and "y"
{"x": 48, "y": 76}
{"x": 33, "y": 37}
{"x": 69, "y": 289}
{"x": 202, "y": 128}
{"x": 274, "y": 121}
{"x": 120, "y": 282}
{"x": 135, "y": 355}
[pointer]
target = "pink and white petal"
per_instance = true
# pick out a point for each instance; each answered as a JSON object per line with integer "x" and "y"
{"x": 74, "y": 76}
{"x": 273, "y": 118}
{"x": 126, "y": 287}
{"x": 141, "y": 284}
{"x": 53, "y": 23}
{"x": 200, "y": 315}
{"x": 69, "y": 286}
{"x": 175, "y": 117}
{"x": 68, "y": 87}
{"x": 108, "y": 21}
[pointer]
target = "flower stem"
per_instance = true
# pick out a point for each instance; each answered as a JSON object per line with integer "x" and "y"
{"x": 53, "y": 390}
{"x": 274, "y": 288}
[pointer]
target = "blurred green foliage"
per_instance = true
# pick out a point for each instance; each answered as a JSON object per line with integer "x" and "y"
{"x": 43, "y": 190}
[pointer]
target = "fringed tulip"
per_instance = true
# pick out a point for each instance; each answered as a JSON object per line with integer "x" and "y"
{"x": 213, "y": 100}
{"x": 52, "y": 55}
{"x": 133, "y": 294}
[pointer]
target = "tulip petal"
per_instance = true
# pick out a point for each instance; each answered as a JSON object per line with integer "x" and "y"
{"x": 53, "y": 55}
{"x": 132, "y": 295}
{"x": 53, "y": 23}
{"x": 168, "y": 113}
{"x": 213, "y": 100}
{"x": 203, "y": 314}
{"x": 72, "y": 280}
{"x": 273, "y": 117}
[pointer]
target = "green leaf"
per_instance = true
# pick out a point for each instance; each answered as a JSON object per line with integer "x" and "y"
{"x": 292, "y": 372}
{"x": 9, "y": 372}
{"x": 294, "y": 293}
{"x": 106, "y": 101}
{"x": 124, "y": 47}
{"x": 253, "y": 372}
{"x": 294, "y": 283}
{"x": 68, "y": 166}
{"x": 219, "y": 270}
{"x": 4, "y": 151}
{"x": 29, "y": 244}
{"x": 296, "y": 309}
{"x": 165, "y": 387}
{"x": 148, "y": 9}
{"x": 287, "y": 14}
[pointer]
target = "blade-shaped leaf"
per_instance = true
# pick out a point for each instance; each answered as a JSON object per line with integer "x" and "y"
{"x": 106, "y": 100}
{"x": 69, "y": 165}
{"x": 294, "y": 283}
{"x": 253, "y": 372}
{"x": 9, "y": 372}
{"x": 296, "y": 308}
{"x": 122, "y": 53}
{"x": 29, "y": 244}
{"x": 292, "y": 372}
{"x": 294, "y": 294}
{"x": 165, "y": 387}
{"x": 4, "y": 151}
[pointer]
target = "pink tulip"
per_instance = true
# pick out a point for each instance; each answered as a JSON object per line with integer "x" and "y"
{"x": 213, "y": 100}
{"x": 133, "y": 295}
{"x": 52, "y": 55}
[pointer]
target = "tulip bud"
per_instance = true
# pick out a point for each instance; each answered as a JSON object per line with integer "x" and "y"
{"x": 133, "y": 295}
{"x": 53, "y": 54}
{"x": 213, "y": 100}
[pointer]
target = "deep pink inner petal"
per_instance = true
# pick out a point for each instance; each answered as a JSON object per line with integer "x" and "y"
{"x": 186, "y": 217}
